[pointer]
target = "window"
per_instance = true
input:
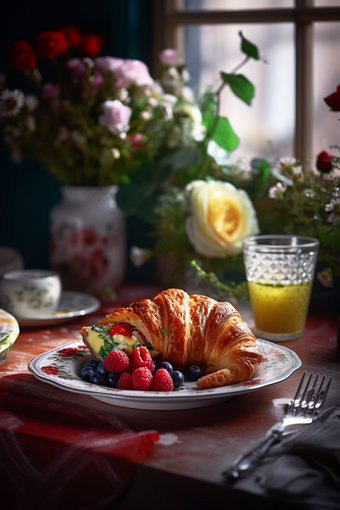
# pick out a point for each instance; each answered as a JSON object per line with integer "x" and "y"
{"x": 300, "y": 39}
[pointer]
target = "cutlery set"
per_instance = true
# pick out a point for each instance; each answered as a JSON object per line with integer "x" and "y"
{"x": 302, "y": 410}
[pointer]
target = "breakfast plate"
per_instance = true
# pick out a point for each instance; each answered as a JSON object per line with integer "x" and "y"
{"x": 61, "y": 367}
{"x": 72, "y": 304}
{"x": 9, "y": 330}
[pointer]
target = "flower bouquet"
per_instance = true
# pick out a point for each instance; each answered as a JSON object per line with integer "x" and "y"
{"x": 203, "y": 208}
{"x": 90, "y": 119}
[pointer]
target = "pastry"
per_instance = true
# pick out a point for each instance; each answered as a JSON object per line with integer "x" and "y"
{"x": 186, "y": 330}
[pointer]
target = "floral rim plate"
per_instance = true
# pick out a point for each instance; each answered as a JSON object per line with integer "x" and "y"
{"x": 72, "y": 304}
{"x": 9, "y": 330}
{"x": 61, "y": 367}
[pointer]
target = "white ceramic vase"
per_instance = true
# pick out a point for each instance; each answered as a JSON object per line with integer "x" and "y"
{"x": 88, "y": 241}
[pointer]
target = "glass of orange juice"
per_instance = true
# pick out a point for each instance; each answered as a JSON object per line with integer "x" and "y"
{"x": 280, "y": 271}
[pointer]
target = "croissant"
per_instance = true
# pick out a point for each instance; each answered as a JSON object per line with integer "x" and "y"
{"x": 192, "y": 330}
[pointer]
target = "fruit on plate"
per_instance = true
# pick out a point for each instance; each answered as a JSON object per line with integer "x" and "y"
{"x": 182, "y": 330}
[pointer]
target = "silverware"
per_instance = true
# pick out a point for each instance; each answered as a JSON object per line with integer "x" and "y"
{"x": 301, "y": 411}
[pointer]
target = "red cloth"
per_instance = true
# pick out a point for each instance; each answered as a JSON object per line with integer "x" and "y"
{"x": 56, "y": 456}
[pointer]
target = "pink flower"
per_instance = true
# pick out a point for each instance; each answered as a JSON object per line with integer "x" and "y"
{"x": 50, "y": 91}
{"x": 133, "y": 72}
{"x": 96, "y": 80}
{"x": 76, "y": 65}
{"x": 104, "y": 64}
{"x": 116, "y": 117}
{"x": 169, "y": 57}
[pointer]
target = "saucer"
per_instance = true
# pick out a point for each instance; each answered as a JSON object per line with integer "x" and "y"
{"x": 9, "y": 330}
{"x": 72, "y": 304}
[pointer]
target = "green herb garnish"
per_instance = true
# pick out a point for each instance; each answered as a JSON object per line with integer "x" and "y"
{"x": 164, "y": 332}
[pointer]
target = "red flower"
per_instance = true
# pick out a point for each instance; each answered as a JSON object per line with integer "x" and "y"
{"x": 67, "y": 352}
{"x": 72, "y": 34}
{"x": 324, "y": 162}
{"x": 50, "y": 369}
{"x": 91, "y": 45}
{"x": 51, "y": 44}
{"x": 333, "y": 100}
{"x": 98, "y": 264}
{"x": 21, "y": 57}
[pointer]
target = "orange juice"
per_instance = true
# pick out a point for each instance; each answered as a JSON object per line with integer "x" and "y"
{"x": 280, "y": 310}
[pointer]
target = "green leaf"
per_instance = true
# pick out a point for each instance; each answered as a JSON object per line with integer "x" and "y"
{"x": 164, "y": 332}
{"x": 329, "y": 236}
{"x": 263, "y": 168}
{"x": 130, "y": 196}
{"x": 249, "y": 48}
{"x": 182, "y": 158}
{"x": 240, "y": 85}
{"x": 222, "y": 132}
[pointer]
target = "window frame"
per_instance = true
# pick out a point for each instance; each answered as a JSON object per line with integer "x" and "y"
{"x": 169, "y": 19}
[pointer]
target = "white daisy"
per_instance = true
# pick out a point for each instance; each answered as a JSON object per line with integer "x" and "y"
{"x": 31, "y": 102}
{"x": 11, "y": 102}
{"x": 277, "y": 191}
{"x": 333, "y": 207}
{"x": 139, "y": 256}
{"x": 325, "y": 278}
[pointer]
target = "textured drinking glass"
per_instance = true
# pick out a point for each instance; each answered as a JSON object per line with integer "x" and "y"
{"x": 280, "y": 271}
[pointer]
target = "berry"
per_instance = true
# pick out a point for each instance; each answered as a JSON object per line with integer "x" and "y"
{"x": 97, "y": 378}
{"x": 116, "y": 361}
{"x": 86, "y": 373}
{"x": 101, "y": 369}
{"x": 151, "y": 366}
{"x": 142, "y": 379}
{"x": 178, "y": 378}
{"x": 162, "y": 381}
{"x": 194, "y": 372}
{"x": 92, "y": 362}
{"x": 125, "y": 381}
{"x": 140, "y": 357}
{"x": 167, "y": 366}
{"x": 112, "y": 379}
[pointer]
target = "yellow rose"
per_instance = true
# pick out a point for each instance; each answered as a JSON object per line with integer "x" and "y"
{"x": 222, "y": 216}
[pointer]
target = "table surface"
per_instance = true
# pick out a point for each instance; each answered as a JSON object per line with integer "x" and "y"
{"x": 195, "y": 445}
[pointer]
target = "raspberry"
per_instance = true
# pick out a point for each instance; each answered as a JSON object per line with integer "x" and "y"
{"x": 116, "y": 361}
{"x": 162, "y": 381}
{"x": 142, "y": 379}
{"x": 151, "y": 366}
{"x": 125, "y": 381}
{"x": 140, "y": 357}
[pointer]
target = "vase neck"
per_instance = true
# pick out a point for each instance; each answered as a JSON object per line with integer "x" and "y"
{"x": 88, "y": 193}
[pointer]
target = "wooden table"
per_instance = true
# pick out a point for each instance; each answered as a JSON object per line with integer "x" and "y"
{"x": 184, "y": 469}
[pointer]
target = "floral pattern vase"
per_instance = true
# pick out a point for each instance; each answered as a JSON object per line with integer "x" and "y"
{"x": 88, "y": 241}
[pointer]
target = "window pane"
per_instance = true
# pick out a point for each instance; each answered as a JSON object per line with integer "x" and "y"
{"x": 326, "y": 79}
{"x": 327, "y": 3}
{"x": 270, "y": 118}
{"x": 225, "y": 5}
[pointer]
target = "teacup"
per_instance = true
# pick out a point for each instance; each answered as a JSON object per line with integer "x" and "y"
{"x": 29, "y": 293}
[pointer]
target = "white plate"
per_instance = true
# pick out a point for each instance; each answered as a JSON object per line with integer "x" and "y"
{"x": 9, "y": 330}
{"x": 72, "y": 304}
{"x": 279, "y": 364}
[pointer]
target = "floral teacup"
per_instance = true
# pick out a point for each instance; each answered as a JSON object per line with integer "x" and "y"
{"x": 30, "y": 293}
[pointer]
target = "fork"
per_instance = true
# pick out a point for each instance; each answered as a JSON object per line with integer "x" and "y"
{"x": 301, "y": 411}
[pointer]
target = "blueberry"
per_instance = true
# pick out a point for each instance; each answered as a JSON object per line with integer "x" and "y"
{"x": 98, "y": 378}
{"x": 112, "y": 379}
{"x": 194, "y": 372}
{"x": 92, "y": 362}
{"x": 178, "y": 378}
{"x": 86, "y": 373}
{"x": 167, "y": 366}
{"x": 101, "y": 369}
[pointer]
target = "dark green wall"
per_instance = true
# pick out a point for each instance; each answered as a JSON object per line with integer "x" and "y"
{"x": 28, "y": 191}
